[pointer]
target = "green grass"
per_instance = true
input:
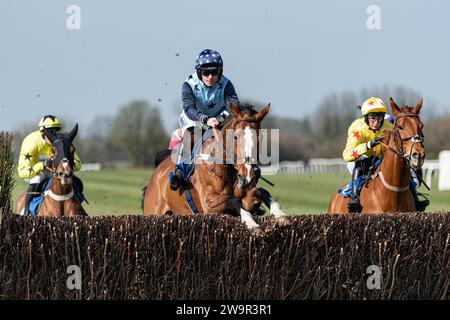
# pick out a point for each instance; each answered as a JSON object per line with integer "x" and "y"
{"x": 117, "y": 192}
{"x": 109, "y": 192}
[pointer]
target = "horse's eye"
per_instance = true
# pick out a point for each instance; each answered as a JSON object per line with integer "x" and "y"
{"x": 400, "y": 127}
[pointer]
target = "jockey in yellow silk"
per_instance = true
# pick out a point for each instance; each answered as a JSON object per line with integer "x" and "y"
{"x": 35, "y": 154}
{"x": 363, "y": 143}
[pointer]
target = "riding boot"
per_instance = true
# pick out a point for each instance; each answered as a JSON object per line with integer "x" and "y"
{"x": 176, "y": 180}
{"x": 421, "y": 205}
{"x": 257, "y": 171}
{"x": 31, "y": 193}
{"x": 353, "y": 204}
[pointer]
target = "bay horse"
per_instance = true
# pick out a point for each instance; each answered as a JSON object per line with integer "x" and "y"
{"x": 402, "y": 148}
{"x": 215, "y": 187}
{"x": 60, "y": 198}
{"x": 248, "y": 174}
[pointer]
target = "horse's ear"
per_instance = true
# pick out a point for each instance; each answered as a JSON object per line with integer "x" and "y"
{"x": 73, "y": 133}
{"x": 394, "y": 107}
{"x": 416, "y": 109}
{"x": 234, "y": 109}
{"x": 260, "y": 115}
{"x": 49, "y": 135}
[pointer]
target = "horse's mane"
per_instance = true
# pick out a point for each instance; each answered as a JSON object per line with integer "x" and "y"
{"x": 408, "y": 110}
{"x": 59, "y": 135}
{"x": 245, "y": 107}
{"x": 248, "y": 108}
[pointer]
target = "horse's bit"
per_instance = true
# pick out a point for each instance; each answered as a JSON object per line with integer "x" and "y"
{"x": 415, "y": 139}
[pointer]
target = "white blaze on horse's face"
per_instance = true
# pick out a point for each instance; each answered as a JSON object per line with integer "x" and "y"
{"x": 248, "y": 142}
{"x": 65, "y": 176}
{"x": 248, "y": 147}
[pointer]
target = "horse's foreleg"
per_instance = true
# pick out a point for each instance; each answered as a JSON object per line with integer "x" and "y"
{"x": 20, "y": 205}
{"x": 246, "y": 216}
{"x": 251, "y": 201}
{"x": 226, "y": 203}
{"x": 72, "y": 208}
{"x": 275, "y": 207}
{"x": 338, "y": 204}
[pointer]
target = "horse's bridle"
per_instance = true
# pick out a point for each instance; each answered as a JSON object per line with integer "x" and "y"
{"x": 415, "y": 139}
{"x": 55, "y": 166}
{"x": 49, "y": 192}
{"x": 246, "y": 120}
{"x": 247, "y": 159}
{"x": 399, "y": 152}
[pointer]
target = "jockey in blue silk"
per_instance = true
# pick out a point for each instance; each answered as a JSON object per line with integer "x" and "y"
{"x": 205, "y": 94}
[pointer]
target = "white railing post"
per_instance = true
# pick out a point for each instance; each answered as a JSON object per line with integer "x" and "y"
{"x": 444, "y": 170}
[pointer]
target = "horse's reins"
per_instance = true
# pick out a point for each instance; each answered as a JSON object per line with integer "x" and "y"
{"x": 399, "y": 152}
{"x": 59, "y": 197}
{"x": 247, "y": 120}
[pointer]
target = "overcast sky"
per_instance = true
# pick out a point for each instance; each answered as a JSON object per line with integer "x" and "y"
{"x": 291, "y": 53}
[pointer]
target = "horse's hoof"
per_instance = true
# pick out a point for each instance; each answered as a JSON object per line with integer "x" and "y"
{"x": 257, "y": 231}
{"x": 283, "y": 221}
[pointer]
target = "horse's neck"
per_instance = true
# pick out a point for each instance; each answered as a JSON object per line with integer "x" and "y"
{"x": 57, "y": 188}
{"x": 394, "y": 167}
{"x": 223, "y": 132}
{"x": 221, "y": 151}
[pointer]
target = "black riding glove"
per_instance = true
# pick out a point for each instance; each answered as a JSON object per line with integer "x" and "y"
{"x": 47, "y": 163}
{"x": 374, "y": 142}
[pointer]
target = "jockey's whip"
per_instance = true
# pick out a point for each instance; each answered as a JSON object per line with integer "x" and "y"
{"x": 420, "y": 179}
{"x": 270, "y": 183}
{"x": 77, "y": 190}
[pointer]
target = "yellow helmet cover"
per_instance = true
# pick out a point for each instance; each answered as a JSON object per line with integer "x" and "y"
{"x": 49, "y": 121}
{"x": 373, "y": 104}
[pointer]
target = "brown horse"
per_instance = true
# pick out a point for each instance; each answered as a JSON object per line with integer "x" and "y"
{"x": 388, "y": 188}
{"x": 215, "y": 187}
{"x": 59, "y": 199}
{"x": 246, "y": 188}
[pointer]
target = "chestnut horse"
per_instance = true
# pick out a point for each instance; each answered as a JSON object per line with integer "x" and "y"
{"x": 60, "y": 199}
{"x": 215, "y": 187}
{"x": 402, "y": 148}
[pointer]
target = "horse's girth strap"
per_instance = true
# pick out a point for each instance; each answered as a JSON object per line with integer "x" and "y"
{"x": 387, "y": 185}
{"x": 190, "y": 201}
{"x": 58, "y": 197}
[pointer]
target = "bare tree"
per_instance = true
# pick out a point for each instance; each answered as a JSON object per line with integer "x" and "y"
{"x": 137, "y": 133}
